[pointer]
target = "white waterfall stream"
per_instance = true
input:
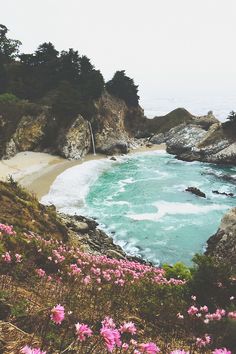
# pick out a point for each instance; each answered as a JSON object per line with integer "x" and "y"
{"x": 92, "y": 138}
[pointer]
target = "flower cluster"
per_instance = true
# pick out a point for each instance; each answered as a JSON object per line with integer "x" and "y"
{"x": 7, "y": 230}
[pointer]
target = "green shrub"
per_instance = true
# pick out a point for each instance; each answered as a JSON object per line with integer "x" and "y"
{"x": 8, "y": 98}
{"x": 179, "y": 271}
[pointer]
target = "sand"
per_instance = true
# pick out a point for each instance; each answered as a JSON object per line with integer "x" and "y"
{"x": 37, "y": 171}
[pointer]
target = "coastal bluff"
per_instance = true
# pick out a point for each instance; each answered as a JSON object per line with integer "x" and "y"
{"x": 116, "y": 127}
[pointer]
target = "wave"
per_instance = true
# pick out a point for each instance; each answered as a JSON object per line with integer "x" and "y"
{"x": 70, "y": 188}
{"x": 172, "y": 208}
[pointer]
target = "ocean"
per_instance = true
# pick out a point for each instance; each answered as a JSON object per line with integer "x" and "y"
{"x": 197, "y": 105}
{"x": 140, "y": 200}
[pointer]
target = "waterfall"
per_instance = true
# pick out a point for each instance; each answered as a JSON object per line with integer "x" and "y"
{"x": 92, "y": 138}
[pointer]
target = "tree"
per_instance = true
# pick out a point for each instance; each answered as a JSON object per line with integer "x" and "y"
{"x": 66, "y": 103}
{"x": 123, "y": 87}
{"x": 232, "y": 117}
{"x": 91, "y": 82}
{"x": 9, "y": 48}
{"x": 69, "y": 66}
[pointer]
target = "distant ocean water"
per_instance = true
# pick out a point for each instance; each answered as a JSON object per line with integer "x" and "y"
{"x": 141, "y": 201}
{"x": 197, "y": 105}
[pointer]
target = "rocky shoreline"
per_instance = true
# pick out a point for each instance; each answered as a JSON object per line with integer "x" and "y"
{"x": 116, "y": 128}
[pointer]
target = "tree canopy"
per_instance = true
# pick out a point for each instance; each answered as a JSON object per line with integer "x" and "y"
{"x": 123, "y": 87}
{"x": 66, "y": 81}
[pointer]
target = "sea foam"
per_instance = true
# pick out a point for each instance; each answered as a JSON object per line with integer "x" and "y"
{"x": 69, "y": 190}
{"x": 172, "y": 208}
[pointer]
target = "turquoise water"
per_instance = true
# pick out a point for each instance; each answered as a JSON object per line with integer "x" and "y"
{"x": 142, "y": 202}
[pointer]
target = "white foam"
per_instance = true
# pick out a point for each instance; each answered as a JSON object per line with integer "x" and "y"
{"x": 171, "y": 208}
{"x": 70, "y": 188}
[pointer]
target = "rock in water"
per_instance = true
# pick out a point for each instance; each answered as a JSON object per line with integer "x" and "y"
{"x": 223, "y": 193}
{"x": 196, "y": 191}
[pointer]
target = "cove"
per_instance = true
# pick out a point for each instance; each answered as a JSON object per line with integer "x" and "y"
{"x": 141, "y": 201}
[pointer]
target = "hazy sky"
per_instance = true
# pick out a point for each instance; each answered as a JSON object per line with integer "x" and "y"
{"x": 170, "y": 47}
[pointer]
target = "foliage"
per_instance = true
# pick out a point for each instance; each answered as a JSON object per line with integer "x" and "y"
{"x": 213, "y": 283}
{"x": 179, "y": 270}
{"x": 8, "y": 98}
{"x": 123, "y": 87}
{"x": 143, "y": 304}
{"x": 9, "y": 48}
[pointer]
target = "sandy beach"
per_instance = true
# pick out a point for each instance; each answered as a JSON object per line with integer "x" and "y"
{"x": 37, "y": 171}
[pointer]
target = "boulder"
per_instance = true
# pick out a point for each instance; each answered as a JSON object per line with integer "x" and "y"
{"x": 28, "y": 135}
{"x": 76, "y": 141}
{"x": 196, "y": 191}
{"x": 223, "y": 193}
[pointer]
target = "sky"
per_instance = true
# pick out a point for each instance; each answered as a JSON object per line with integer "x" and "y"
{"x": 171, "y": 48}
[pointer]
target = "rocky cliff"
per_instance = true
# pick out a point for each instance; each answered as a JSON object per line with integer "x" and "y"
{"x": 201, "y": 139}
{"x": 25, "y": 126}
{"x": 115, "y": 125}
{"x": 222, "y": 245}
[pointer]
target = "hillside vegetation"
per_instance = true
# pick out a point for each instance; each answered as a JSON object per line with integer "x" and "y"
{"x": 55, "y": 297}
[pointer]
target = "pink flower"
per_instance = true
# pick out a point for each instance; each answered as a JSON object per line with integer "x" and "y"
{"x": 128, "y": 327}
{"x": 6, "y": 229}
{"x": 125, "y": 346}
{"x": 18, "y": 258}
{"x": 149, "y": 348}
{"x": 6, "y": 257}
{"x": 192, "y": 310}
{"x": 193, "y": 297}
{"x": 108, "y": 322}
{"x": 28, "y": 350}
{"x": 179, "y": 351}
{"x": 232, "y": 315}
{"x": 83, "y": 330}
{"x": 41, "y": 273}
{"x": 203, "y": 342}
{"x": 87, "y": 280}
{"x": 221, "y": 351}
{"x": 75, "y": 269}
{"x": 57, "y": 314}
{"x": 204, "y": 308}
{"x": 111, "y": 338}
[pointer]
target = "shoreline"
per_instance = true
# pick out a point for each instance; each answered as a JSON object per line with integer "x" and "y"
{"x": 37, "y": 171}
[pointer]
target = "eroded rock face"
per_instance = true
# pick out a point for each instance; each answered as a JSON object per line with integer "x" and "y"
{"x": 111, "y": 136}
{"x": 76, "y": 141}
{"x": 28, "y": 135}
{"x": 193, "y": 143}
{"x": 222, "y": 245}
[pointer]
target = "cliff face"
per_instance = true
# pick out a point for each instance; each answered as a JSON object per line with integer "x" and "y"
{"x": 109, "y": 122}
{"x": 201, "y": 139}
{"x": 37, "y": 130}
{"x": 222, "y": 245}
{"x": 114, "y": 126}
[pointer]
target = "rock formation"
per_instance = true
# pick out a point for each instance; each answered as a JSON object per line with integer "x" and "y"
{"x": 222, "y": 245}
{"x": 203, "y": 139}
{"x": 115, "y": 126}
{"x": 76, "y": 141}
{"x": 196, "y": 191}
